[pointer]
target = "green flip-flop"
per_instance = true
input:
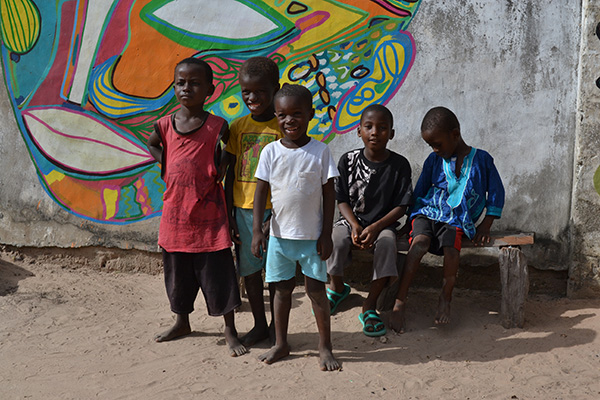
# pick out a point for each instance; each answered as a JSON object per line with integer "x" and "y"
{"x": 373, "y": 316}
{"x": 336, "y": 298}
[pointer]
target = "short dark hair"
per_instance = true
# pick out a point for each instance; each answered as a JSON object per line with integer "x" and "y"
{"x": 379, "y": 108}
{"x": 291, "y": 90}
{"x": 262, "y": 68}
{"x": 439, "y": 118}
{"x": 208, "y": 72}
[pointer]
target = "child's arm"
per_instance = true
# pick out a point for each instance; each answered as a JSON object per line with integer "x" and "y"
{"x": 223, "y": 158}
{"x": 259, "y": 242}
{"x": 346, "y": 211}
{"x": 154, "y": 145}
{"x": 482, "y": 235}
{"x": 371, "y": 232}
{"x": 230, "y": 160}
{"x": 493, "y": 204}
{"x": 324, "y": 243}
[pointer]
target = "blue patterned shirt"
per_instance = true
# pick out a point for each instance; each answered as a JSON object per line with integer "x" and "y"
{"x": 459, "y": 201}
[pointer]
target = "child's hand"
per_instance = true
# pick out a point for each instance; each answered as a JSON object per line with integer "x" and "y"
{"x": 259, "y": 244}
{"x": 356, "y": 231}
{"x": 482, "y": 235}
{"x": 234, "y": 231}
{"x": 324, "y": 246}
{"x": 368, "y": 236}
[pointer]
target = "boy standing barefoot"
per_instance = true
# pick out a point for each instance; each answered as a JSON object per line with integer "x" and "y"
{"x": 259, "y": 81}
{"x": 194, "y": 234}
{"x": 299, "y": 171}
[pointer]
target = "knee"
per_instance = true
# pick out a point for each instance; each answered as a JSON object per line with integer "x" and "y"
{"x": 341, "y": 241}
{"x": 386, "y": 244}
{"x": 419, "y": 247}
{"x": 284, "y": 289}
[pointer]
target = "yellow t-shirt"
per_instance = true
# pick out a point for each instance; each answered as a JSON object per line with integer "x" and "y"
{"x": 247, "y": 138}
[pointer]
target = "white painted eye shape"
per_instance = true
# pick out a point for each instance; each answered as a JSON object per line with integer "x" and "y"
{"x": 207, "y": 17}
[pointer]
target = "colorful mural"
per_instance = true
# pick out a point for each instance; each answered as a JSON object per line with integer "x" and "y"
{"x": 87, "y": 79}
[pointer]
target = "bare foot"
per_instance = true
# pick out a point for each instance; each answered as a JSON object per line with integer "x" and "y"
{"x": 178, "y": 330}
{"x": 327, "y": 361}
{"x": 256, "y": 334}
{"x": 397, "y": 317}
{"x": 443, "y": 315}
{"x": 275, "y": 354}
{"x": 235, "y": 347}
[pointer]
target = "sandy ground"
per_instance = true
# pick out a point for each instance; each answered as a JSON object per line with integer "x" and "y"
{"x": 70, "y": 332}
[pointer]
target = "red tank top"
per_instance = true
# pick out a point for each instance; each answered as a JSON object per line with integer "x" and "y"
{"x": 194, "y": 217}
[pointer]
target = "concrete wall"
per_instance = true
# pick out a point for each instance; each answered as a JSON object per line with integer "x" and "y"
{"x": 584, "y": 272}
{"x": 519, "y": 75}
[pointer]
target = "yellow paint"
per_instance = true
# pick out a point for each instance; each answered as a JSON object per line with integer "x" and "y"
{"x": 110, "y": 198}
{"x": 20, "y": 24}
{"x": 340, "y": 18}
{"x": 54, "y": 176}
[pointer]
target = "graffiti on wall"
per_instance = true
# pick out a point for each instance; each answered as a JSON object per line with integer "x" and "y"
{"x": 88, "y": 79}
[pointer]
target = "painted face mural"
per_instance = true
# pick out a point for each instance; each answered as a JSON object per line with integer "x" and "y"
{"x": 88, "y": 79}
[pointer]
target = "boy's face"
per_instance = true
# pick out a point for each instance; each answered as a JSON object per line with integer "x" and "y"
{"x": 191, "y": 85}
{"x": 293, "y": 116}
{"x": 443, "y": 143}
{"x": 375, "y": 130}
{"x": 258, "y": 94}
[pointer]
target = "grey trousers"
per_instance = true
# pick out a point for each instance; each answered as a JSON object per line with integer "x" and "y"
{"x": 384, "y": 252}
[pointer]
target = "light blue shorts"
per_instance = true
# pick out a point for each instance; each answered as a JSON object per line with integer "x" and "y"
{"x": 247, "y": 263}
{"x": 282, "y": 255}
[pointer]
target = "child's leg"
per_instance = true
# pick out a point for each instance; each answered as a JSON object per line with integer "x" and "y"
{"x": 231, "y": 336}
{"x": 181, "y": 328}
{"x": 384, "y": 266}
{"x": 341, "y": 257}
{"x": 254, "y": 289}
{"x": 182, "y": 287}
{"x": 451, "y": 261}
{"x": 418, "y": 248}
{"x": 320, "y": 305}
{"x": 272, "y": 306}
{"x": 251, "y": 269}
{"x": 282, "y": 304}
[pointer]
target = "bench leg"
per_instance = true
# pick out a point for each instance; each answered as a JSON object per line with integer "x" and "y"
{"x": 515, "y": 286}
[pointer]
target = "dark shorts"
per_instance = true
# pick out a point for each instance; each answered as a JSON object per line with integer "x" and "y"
{"x": 214, "y": 273}
{"x": 441, "y": 234}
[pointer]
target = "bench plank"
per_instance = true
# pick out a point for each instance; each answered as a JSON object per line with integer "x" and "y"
{"x": 498, "y": 239}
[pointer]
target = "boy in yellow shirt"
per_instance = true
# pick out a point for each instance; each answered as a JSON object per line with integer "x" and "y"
{"x": 259, "y": 81}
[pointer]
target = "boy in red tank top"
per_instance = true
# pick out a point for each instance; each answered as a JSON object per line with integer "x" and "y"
{"x": 194, "y": 231}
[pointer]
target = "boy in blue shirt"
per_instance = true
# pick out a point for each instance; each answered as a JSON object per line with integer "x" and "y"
{"x": 457, "y": 183}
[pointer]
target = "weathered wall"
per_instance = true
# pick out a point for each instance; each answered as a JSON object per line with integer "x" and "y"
{"x": 584, "y": 273}
{"x": 508, "y": 69}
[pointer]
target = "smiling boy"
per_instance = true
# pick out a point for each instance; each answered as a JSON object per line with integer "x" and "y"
{"x": 299, "y": 171}
{"x": 373, "y": 191}
{"x": 259, "y": 81}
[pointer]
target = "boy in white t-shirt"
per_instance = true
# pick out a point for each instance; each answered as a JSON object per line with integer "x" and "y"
{"x": 300, "y": 173}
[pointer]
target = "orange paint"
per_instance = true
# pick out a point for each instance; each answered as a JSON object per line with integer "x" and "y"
{"x": 146, "y": 67}
{"x": 78, "y": 197}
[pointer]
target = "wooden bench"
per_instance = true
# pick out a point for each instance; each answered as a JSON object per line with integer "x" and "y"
{"x": 513, "y": 273}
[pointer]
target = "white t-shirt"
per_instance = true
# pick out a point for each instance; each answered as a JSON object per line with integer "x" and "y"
{"x": 296, "y": 177}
